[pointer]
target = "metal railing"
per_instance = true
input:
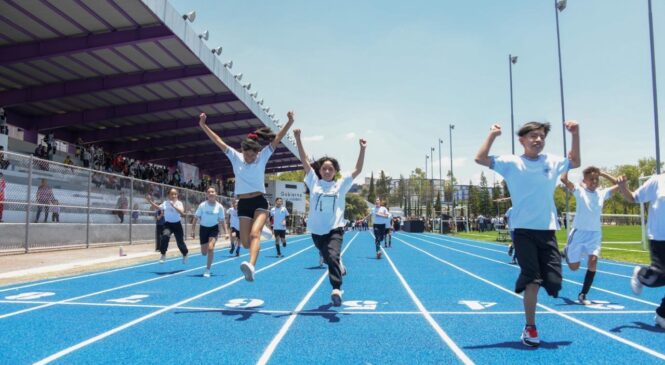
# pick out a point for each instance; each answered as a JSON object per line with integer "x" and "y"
{"x": 50, "y": 205}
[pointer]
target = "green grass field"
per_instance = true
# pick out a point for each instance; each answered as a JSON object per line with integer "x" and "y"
{"x": 619, "y": 243}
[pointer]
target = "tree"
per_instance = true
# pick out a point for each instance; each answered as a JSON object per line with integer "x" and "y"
{"x": 474, "y": 200}
{"x": 486, "y": 206}
{"x": 298, "y": 175}
{"x": 383, "y": 187}
{"x": 371, "y": 195}
{"x": 356, "y": 207}
{"x": 437, "y": 207}
{"x": 401, "y": 190}
{"x": 496, "y": 195}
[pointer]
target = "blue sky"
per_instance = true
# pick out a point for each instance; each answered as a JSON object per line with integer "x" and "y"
{"x": 399, "y": 72}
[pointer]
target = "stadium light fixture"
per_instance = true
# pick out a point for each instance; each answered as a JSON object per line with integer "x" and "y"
{"x": 260, "y": 102}
{"x": 217, "y": 50}
{"x": 254, "y": 94}
{"x": 238, "y": 77}
{"x": 247, "y": 85}
{"x": 229, "y": 64}
{"x": 205, "y": 35}
{"x": 561, "y": 5}
{"x": 189, "y": 16}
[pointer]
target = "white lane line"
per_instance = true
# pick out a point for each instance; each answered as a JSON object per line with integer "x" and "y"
{"x": 267, "y": 353}
{"x": 503, "y": 252}
{"x": 553, "y": 311}
{"x": 517, "y": 268}
{"x": 604, "y": 261}
{"x": 108, "y": 333}
{"x": 100, "y": 272}
{"x": 444, "y": 336}
{"x": 307, "y": 312}
{"x": 26, "y": 310}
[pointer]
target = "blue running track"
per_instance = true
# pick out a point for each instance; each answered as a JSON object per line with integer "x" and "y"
{"x": 430, "y": 299}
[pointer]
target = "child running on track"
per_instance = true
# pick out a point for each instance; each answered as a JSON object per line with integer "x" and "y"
{"x": 249, "y": 168}
{"x": 279, "y": 214}
{"x": 173, "y": 211}
{"x": 380, "y": 218}
{"x": 211, "y": 215}
{"x": 653, "y": 276}
{"x": 532, "y": 178}
{"x": 326, "y": 209}
{"x": 585, "y": 238}
{"x": 234, "y": 222}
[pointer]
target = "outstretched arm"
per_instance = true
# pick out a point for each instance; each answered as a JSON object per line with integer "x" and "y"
{"x": 613, "y": 180}
{"x": 282, "y": 132}
{"x": 574, "y": 154}
{"x": 361, "y": 159}
{"x": 152, "y": 204}
{"x": 622, "y": 182}
{"x": 482, "y": 157}
{"x": 564, "y": 179}
{"x": 211, "y": 134}
{"x": 301, "y": 151}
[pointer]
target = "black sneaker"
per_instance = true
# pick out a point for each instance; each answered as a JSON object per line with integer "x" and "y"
{"x": 283, "y": 244}
{"x": 511, "y": 249}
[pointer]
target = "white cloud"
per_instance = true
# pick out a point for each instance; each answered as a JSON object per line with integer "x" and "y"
{"x": 313, "y": 138}
{"x": 350, "y": 135}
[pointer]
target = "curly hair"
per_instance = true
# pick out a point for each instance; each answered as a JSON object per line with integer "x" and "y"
{"x": 252, "y": 141}
{"x": 316, "y": 165}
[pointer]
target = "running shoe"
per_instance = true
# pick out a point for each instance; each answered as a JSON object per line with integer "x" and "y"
{"x": 185, "y": 258}
{"x": 581, "y": 298}
{"x": 635, "y": 282}
{"x": 660, "y": 321}
{"x": 530, "y": 336}
{"x": 247, "y": 270}
{"x": 378, "y": 255}
{"x": 237, "y": 253}
{"x": 514, "y": 261}
{"x": 336, "y": 297}
{"x": 206, "y": 273}
{"x": 511, "y": 249}
{"x": 284, "y": 244}
{"x": 162, "y": 259}
{"x": 231, "y": 250}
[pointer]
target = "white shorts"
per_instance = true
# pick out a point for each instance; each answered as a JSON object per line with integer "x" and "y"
{"x": 582, "y": 244}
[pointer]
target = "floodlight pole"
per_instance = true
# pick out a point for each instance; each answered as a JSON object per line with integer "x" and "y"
{"x": 558, "y": 8}
{"x": 655, "y": 91}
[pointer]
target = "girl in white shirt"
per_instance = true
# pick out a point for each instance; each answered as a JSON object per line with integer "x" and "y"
{"x": 326, "y": 209}
{"x": 173, "y": 211}
{"x": 210, "y": 214}
{"x": 249, "y": 170}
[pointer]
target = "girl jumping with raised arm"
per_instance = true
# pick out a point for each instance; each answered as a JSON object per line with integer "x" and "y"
{"x": 249, "y": 167}
{"x": 327, "y": 201}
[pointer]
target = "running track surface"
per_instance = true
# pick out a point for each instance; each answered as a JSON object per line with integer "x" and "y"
{"x": 430, "y": 299}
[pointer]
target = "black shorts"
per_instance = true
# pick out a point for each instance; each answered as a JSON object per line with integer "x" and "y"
{"x": 379, "y": 231}
{"x": 247, "y": 207}
{"x": 388, "y": 230}
{"x": 281, "y": 233}
{"x": 235, "y": 232}
{"x": 539, "y": 259}
{"x": 206, "y": 233}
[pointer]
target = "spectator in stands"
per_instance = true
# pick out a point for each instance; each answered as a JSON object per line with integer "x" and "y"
{"x": 3, "y": 122}
{"x": 2, "y": 195}
{"x": 44, "y": 197}
{"x": 87, "y": 156}
{"x": 68, "y": 161}
{"x": 120, "y": 206}
{"x": 79, "y": 149}
{"x": 135, "y": 213}
{"x": 55, "y": 211}
{"x": 4, "y": 163}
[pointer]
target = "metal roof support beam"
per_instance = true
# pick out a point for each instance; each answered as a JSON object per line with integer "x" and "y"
{"x": 160, "y": 126}
{"x": 123, "y": 111}
{"x": 28, "y": 52}
{"x": 97, "y": 84}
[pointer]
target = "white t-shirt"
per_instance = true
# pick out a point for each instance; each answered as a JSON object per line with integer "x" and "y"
{"x": 278, "y": 214}
{"x": 378, "y": 219}
{"x": 249, "y": 177}
{"x": 589, "y": 207}
{"x": 170, "y": 214}
{"x": 531, "y": 185}
{"x": 210, "y": 215}
{"x": 653, "y": 192}
{"x": 327, "y": 200}
{"x": 233, "y": 218}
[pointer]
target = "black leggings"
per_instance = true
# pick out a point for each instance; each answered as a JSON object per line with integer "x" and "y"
{"x": 330, "y": 248}
{"x": 653, "y": 276}
{"x": 176, "y": 229}
{"x": 379, "y": 233}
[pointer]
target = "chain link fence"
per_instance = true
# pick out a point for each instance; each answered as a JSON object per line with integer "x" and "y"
{"x": 48, "y": 205}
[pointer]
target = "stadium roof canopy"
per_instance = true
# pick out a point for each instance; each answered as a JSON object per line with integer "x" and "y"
{"x": 129, "y": 75}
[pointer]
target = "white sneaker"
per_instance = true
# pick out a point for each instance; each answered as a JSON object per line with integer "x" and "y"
{"x": 247, "y": 270}
{"x": 336, "y": 297}
{"x": 343, "y": 268}
{"x": 185, "y": 259}
{"x": 206, "y": 273}
{"x": 660, "y": 321}
{"x": 582, "y": 299}
{"x": 635, "y": 282}
{"x": 162, "y": 259}
{"x": 530, "y": 337}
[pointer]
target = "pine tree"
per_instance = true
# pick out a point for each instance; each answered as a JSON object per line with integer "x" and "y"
{"x": 371, "y": 195}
